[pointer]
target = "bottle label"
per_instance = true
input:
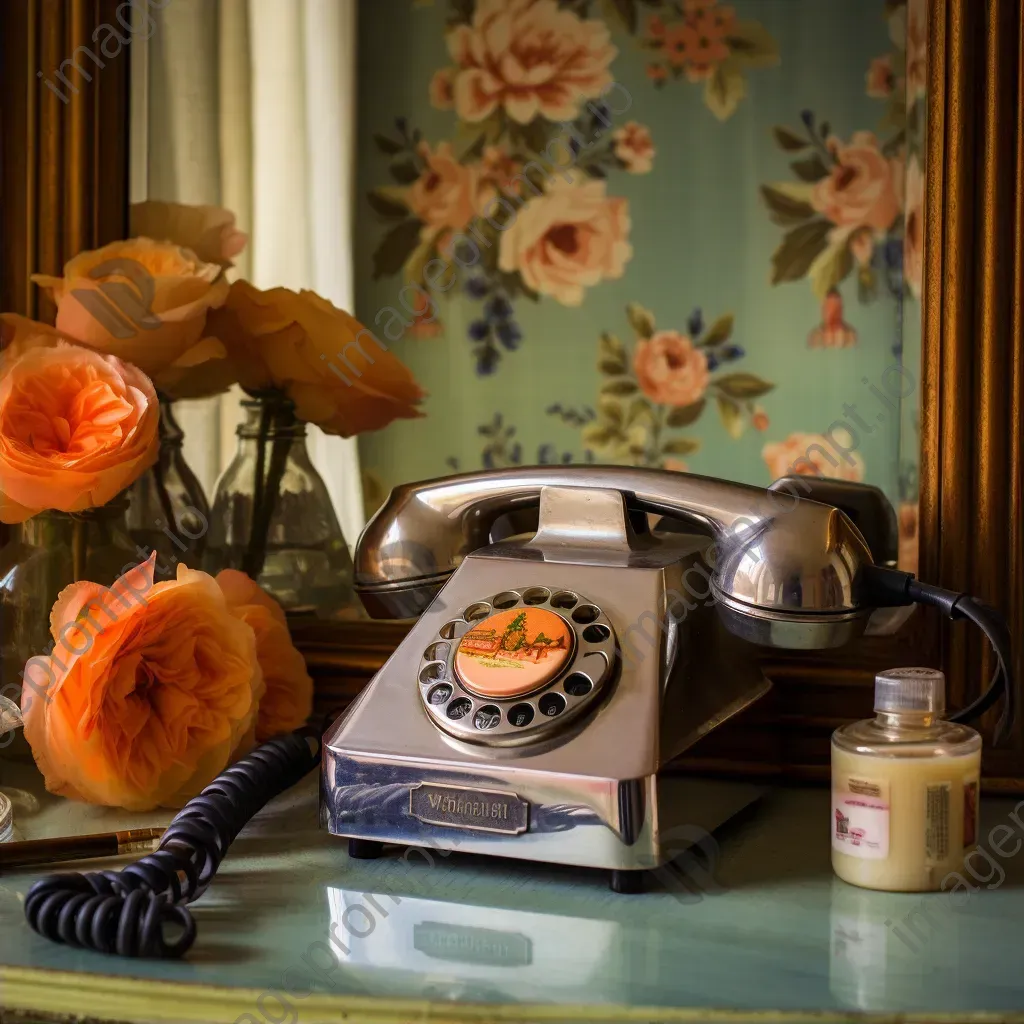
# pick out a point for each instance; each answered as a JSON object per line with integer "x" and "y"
{"x": 970, "y": 813}
{"x": 860, "y": 817}
{"x": 936, "y": 821}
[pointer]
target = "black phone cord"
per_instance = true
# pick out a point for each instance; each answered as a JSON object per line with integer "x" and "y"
{"x": 131, "y": 912}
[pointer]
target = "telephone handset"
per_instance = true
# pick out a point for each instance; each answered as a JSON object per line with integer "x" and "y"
{"x": 788, "y": 572}
{"x": 513, "y": 720}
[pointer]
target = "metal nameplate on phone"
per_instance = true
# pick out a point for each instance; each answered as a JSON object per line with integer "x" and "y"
{"x": 483, "y": 810}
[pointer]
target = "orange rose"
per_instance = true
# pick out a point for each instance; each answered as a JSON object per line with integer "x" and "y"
{"x": 568, "y": 239}
{"x": 288, "y": 700}
{"x": 208, "y": 231}
{"x": 913, "y": 228}
{"x": 633, "y": 145}
{"x": 337, "y": 373}
{"x": 528, "y": 57}
{"x": 861, "y": 189}
{"x": 670, "y": 370}
{"x": 76, "y": 428}
{"x": 142, "y": 301}
{"x": 151, "y": 690}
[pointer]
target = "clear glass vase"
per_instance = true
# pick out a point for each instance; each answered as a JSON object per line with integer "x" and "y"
{"x": 46, "y": 554}
{"x": 168, "y": 511}
{"x": 272, "y": 517}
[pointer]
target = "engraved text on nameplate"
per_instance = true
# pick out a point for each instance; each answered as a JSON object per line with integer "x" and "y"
{"x": 482, "y": 809}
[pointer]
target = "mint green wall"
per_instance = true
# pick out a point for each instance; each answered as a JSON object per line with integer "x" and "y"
{"x": 702, "y": 238}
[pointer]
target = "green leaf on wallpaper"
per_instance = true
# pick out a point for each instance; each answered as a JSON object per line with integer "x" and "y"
{"x": 610, "y": 410}
{"x": 598, "y": 436}
{"x": 743, "y": 385}
{"x": 798, "y": 250}
{"x": 753, "y": 45}
{"x": 405, "y": 173}
{"x": 640, "y": 413}
{"x": 395, "y": 248}
{"x": 385, "y": 202}
{"x": 891, "y": 147}
{"x": 788, "y": 139}
{"x": 625, "y": 10}
{"x": 461, "y": 11}
{"x": 719, "y": 331}
{"x": 640, "y": 319}
{"x": 619, "y": 388}
{"x": 867, "y": 284}
{"x": 388, "y": 146}
{"x": 785, "y": 210}
{"x": 475, "y": 150}
{"x": 830, "y": 267}
{"x": 611, "y": 355}
{"x": 680, "y": 446}
{"x": 811, "y": 168}
{"x": 533, "y": 136}
{"x": 421, "y": 255}
{"x": 684, "y": 415}
{"x": 724, "y": 89}
{"x": 732, "y": 416}
{"x": 514, "y": 285}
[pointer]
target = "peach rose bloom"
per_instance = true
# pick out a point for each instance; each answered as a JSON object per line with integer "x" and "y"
{"x": 288, "y": 700}
{"x": 442, "y": 89}
{"x": 567, "y": 240}
{"x": 18, "y": 334}
{"x": 880, "y": 79}
{"x": 76, "y": 428}
{"x": 528, "y": 58}
{"x": 159, "y": 699}
{"x": 813, "y": 455}
{"x": 861, "y": 189}
{"x": 913, "y": 230}
{"x": 337, "y": 373}
{"x": 142, "y": 301}
{"x": 633, "y": 145}
{"x": 670, "y": 369}
{"x": 208, "y": 231}
{"x": 916, "y": 47}
{"x": 448, "y": 194}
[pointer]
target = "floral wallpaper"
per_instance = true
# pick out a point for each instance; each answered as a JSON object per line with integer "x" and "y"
{"x": 673, "y": 233}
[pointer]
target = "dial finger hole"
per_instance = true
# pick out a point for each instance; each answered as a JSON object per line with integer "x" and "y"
{"x": 478, "y": 611}
{"x": 536, "y": 595}
{"x": 508, "y": 599}
{"x": 453, "y": 630}
{"x": 578, "y": 685}
{"x": 585, "y": 613}
{"x": 437, "y": 652}
{"x": 564, "y": 599}
{"x": 596, "y": 633}
{"x": 459, "y": 708}
{"x": 439, "y": 694}
{"x": 432, "y": 673}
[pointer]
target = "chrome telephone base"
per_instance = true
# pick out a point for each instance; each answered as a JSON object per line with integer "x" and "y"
{"x": 586, "y": 787}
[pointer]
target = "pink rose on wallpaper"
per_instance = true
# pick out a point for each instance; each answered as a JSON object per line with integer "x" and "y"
{"x": 633, "y": 145}
{"x": 814, "y": 455}
{"x": 528, "y": 57}
{"x": 861, "y": 189}
{"x": 442, "y": 89}
{"x": 670, "y": 369}
{"x": 916, "y": 48}
{"x": 448, "y": 194}
{"x": 913, "y": 230}
{"x": 881, "y": 80}
{"x": 567, "y": 240}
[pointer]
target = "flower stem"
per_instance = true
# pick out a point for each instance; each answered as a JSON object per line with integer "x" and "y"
{"x": 266, "y": 494}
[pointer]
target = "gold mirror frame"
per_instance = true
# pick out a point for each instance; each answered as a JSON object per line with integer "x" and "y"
{"x": 64, "y": 187}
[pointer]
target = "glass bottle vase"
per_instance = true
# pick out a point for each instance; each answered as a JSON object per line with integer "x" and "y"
{"x": 273, "y": 519}
{"x": 168, "y": 512}
{"x": 45, "y": 554}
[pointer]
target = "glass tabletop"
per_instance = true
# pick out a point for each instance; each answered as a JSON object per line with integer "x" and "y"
{"x": 758, "y": 925}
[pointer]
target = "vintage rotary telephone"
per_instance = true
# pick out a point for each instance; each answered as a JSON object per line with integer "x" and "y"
{"x": 557, "y": 664}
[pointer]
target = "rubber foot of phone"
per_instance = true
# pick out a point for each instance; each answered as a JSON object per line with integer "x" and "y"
{"x": 365, "y": 849}
{"x": 627, "y": 882}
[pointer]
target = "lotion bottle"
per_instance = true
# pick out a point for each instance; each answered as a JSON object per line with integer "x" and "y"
{"x": 904, "y": 788}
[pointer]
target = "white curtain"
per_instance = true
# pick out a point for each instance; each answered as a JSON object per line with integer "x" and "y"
{"x": 250, "y": 104}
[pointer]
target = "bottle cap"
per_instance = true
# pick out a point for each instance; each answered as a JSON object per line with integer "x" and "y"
{"x": 910, "y": 689}
{"x": 6, "y": 819}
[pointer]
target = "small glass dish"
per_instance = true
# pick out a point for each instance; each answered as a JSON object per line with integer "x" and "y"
{"x": 6, "y": 819}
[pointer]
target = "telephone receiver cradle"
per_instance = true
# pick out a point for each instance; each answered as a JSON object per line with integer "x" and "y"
{"x": 551, "y": 674}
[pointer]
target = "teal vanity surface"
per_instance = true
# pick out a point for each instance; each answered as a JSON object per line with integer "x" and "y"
{"x": 293, "y": 930}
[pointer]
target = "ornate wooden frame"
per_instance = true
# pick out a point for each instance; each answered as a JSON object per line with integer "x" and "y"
{"x": 64, "y": 187}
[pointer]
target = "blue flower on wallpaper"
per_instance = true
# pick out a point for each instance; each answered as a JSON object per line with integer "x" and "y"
{"x": 502, "y": 450}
